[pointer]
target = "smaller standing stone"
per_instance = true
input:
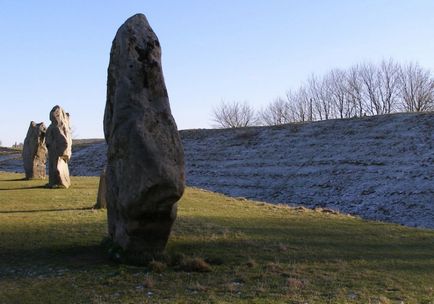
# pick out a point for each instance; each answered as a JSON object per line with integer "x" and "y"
{"x": 59, "y": 144}
{"x": 101, "y": 201}
{"x": 35, "y": 151}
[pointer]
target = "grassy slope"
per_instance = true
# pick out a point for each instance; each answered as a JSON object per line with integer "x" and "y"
{"x": 50, "y": 251}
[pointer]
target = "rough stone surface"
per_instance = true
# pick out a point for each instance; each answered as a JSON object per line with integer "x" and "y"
{"x": 59, "y": 144}
{"x": 35, "y": 151}
{"x": 101, "y": 200}
{"x": 145, "y": 161}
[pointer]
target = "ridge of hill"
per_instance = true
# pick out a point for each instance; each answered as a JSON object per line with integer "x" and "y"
{"x": 379, "y": 167}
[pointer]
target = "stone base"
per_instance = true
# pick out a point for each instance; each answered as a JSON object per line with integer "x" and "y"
{"x": 138, "y": 242}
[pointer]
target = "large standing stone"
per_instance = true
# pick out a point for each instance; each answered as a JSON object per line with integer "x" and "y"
{"x": 59, "y": 144}
{"x": 35, "y": 151}
{"x": 145, "y": 158}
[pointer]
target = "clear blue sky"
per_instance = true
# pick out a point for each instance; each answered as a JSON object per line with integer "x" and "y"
{"x": 57, "y": 52}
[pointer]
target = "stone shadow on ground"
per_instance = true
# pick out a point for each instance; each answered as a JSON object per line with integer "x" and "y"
{"x": 15, "y": 180}
{"x": 48, "y": 261}
{"x": 28, "y": 251}
{"x": 23, "y": 188}
{"x": 46, "y": 210}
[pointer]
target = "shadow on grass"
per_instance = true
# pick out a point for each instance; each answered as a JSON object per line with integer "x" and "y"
{"x": 30, "y": 262}
{"x": 24, "y": 188}
{"x": 14, "y": 180}
{"x": 78, "y": 245}
{"x": 45, "y": 210}
{"x": 26, "y": 250}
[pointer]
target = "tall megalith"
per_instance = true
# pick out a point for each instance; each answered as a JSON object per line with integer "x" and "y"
{"x": 145, "y": 158}
{"x": 35, "y": 151}
{"x": 59, "y": 144}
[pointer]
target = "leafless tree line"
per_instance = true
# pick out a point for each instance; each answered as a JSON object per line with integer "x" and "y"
{"x": 234, "y": 115}
{"x": 362, "y": 90}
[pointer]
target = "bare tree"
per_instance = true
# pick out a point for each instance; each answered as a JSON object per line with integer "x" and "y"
{"x": 233, "y": 115}
{"x": 318, "y": 94}
{"x": 337, "y": 91}
{"x": 417, "y": 88}
{"x": 380, "y": 86}
{"x": 354, "y": 88}
{"x": 300, "y": 105}
{"x": 388, "y": 80}
{"x": 365, "y": 89}
{"x": 369, "y": 78}
{"x": 277, "y": 112}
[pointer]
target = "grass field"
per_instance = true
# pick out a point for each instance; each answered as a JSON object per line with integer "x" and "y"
{"x": 222, "y": 250}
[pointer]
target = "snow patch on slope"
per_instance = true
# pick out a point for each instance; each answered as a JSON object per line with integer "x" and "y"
{"x": 380, "y": 168}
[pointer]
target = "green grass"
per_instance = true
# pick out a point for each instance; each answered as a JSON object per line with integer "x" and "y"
{"x": 51, "y": 252}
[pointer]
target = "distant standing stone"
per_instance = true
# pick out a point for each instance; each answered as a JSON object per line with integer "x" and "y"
{"x": 145, "y": 158}
{"x": 59, "y": 144}
{"x": 101, "y": 200}
{"x": 35, "y": 151}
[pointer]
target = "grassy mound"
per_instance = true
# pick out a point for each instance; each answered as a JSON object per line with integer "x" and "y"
{"x": 222, "y": 250}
